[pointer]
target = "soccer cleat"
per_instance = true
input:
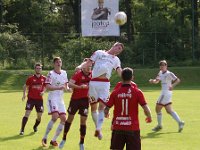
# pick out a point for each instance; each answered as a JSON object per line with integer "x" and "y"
{"x": 35, "y": 129}
{"x": 181, "y": 125}
{"x": 98, "y": 134}
{"x": 53, "y": 143}
{"x": 21, "y": 133}
{"x": 62, "y": 143}
{"x": 157, "y": 128}
{"x": 44, "y": 142}
{"x": 81, "y": 146}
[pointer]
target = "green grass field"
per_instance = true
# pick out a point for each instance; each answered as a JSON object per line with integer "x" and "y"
{"x": 186, "y": 104}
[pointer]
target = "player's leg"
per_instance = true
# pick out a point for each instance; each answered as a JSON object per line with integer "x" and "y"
{"x": 159, "y": 117}
{"x": 117, "y": 141}
{"x": 93, "y": 100}
{"x": 28, "y": 108}
{"x": 83, "y": 111}
{"x": 103, "y": 93}
{"x": 67, "y": 126}
{"x": 39, "y": 109}
{"x": 54, "y": 117}
{"x": 52, "y": 107}
{"x": 24, "y": 121}
{"x": 133, "y": 140}
{"x": 175, "y": 116}
{"x": 82, "y": 131}
{"x": 62, "y": 116}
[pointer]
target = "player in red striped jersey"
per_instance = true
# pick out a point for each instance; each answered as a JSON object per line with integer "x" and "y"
{"x": 125, "y": 123}
{"x": 36, "y": 88}
{"x": 79, "y": 102}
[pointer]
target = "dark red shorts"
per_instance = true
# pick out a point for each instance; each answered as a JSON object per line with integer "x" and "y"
{"x": 37, "y": 103}
{"x": 129, "y": 138}
{"x": 80, "y": 105}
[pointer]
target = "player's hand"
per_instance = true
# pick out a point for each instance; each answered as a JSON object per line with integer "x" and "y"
{"x": 106, "y": 112}
{"x": 41, "y": 93}
{"x": 148, "y": 120}
{"x": 23, "y": 97}
{"x": 84, "y": 86}
{"x": 150, "y": 80}
{"x": 171, "y": 88}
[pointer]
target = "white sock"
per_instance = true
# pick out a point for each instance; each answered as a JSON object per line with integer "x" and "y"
{"x": 175, "y": 116}
{"x": 48, "y": 129}
{"x": 100, "y": 120}
{"x": 58, "y": 131}
{"x": 159, "y": 118}
{"x": 95, "y": 117}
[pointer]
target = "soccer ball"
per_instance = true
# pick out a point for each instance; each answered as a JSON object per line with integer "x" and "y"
{"x": 120, "y": 18}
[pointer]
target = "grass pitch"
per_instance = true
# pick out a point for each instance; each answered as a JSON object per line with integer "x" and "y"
{"x": 185, "y": 103}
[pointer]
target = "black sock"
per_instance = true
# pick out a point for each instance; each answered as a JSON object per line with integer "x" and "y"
{"x": 37, "y": 122}
{"x": 82, "y": 133}
{"x": 24, "y": 121}
{"x": 66, "y": 129}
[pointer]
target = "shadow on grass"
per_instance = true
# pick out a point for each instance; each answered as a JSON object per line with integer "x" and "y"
{"x": 156, "y": 134}
{"x": 15, "y": 137}
{"x": 44, "y": 148}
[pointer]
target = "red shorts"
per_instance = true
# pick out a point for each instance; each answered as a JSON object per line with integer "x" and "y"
{"x": 129, "y": 138}
{"x": 79, "y": 104}
{"x": 37, "y": 103}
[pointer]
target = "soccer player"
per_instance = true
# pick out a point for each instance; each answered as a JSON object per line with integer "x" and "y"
{"x": 101, "y": 13}
{"x": 99, "y": 86}
{"x": 79, "y": 102}
{"x": 56, "y": 83}
{"x": 125, "y": 123}
{"x": 36, "y": 87}
{"x": 168, "y": 81}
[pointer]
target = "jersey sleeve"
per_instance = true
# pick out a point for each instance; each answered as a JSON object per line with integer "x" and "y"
{"x": 28, "y": 81}
{"x": 76, "y": 77}
{"x": 117, "y": 64}
{"x": 172, "y": 76}
{"x": 48, "y": 78}
{"x": 158, "y": 75}
{"x": 66, "y": 78}
{"x": 95, "y": 55}
{"x": 111, "y": 100}
{"x": 140, "y": 97}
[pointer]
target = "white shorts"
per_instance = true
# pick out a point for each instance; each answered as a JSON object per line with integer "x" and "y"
{"x": 99, "y": 91}
{"x": 165, "y": 98}
{"x": 56, "y": 105}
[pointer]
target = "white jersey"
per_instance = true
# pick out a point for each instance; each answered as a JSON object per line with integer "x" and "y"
{"x": 104, "y": 63}
{"x": 166, "y": 79}
{"x": 56, "y": 79}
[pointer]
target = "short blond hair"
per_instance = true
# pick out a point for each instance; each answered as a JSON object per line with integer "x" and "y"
{"x": 163, "y": 62}
{"x": 118, "y": 43}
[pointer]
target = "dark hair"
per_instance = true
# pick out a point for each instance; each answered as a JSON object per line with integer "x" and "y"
{"x": 38, "y": 64}
{"x": 56, "y": 58}
{"x": 127, "y": 74}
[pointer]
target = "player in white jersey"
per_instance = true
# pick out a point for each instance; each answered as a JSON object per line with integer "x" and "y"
{"x": 99, "y": 86}
{"x": 168, "y": 81}
{"x": 56, "y": 83}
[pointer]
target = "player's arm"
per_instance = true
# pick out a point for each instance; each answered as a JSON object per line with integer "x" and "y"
{"x": 147, "y": 113}
{"x": 53, "y": 88}
{"x": 42, "y": 93}
{"x": 119, "y": 71}
{"x": 85, "y": 64}
{"x": 106, "y": 112}
{"x": 74, "y": 86}
{"x": 155, "y": 81}
{"x": 175, "y": 82}
{"x": 24, "y": 92}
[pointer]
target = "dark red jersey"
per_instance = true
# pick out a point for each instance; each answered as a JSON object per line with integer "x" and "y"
{"x": 119, "y": 84}
{"x": 36, "y": 86}
{"x": 125, "y": 100}
{"x": 80, "y": 79}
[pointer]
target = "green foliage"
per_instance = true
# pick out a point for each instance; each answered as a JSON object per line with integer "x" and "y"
{"x": 41, "y": 29}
